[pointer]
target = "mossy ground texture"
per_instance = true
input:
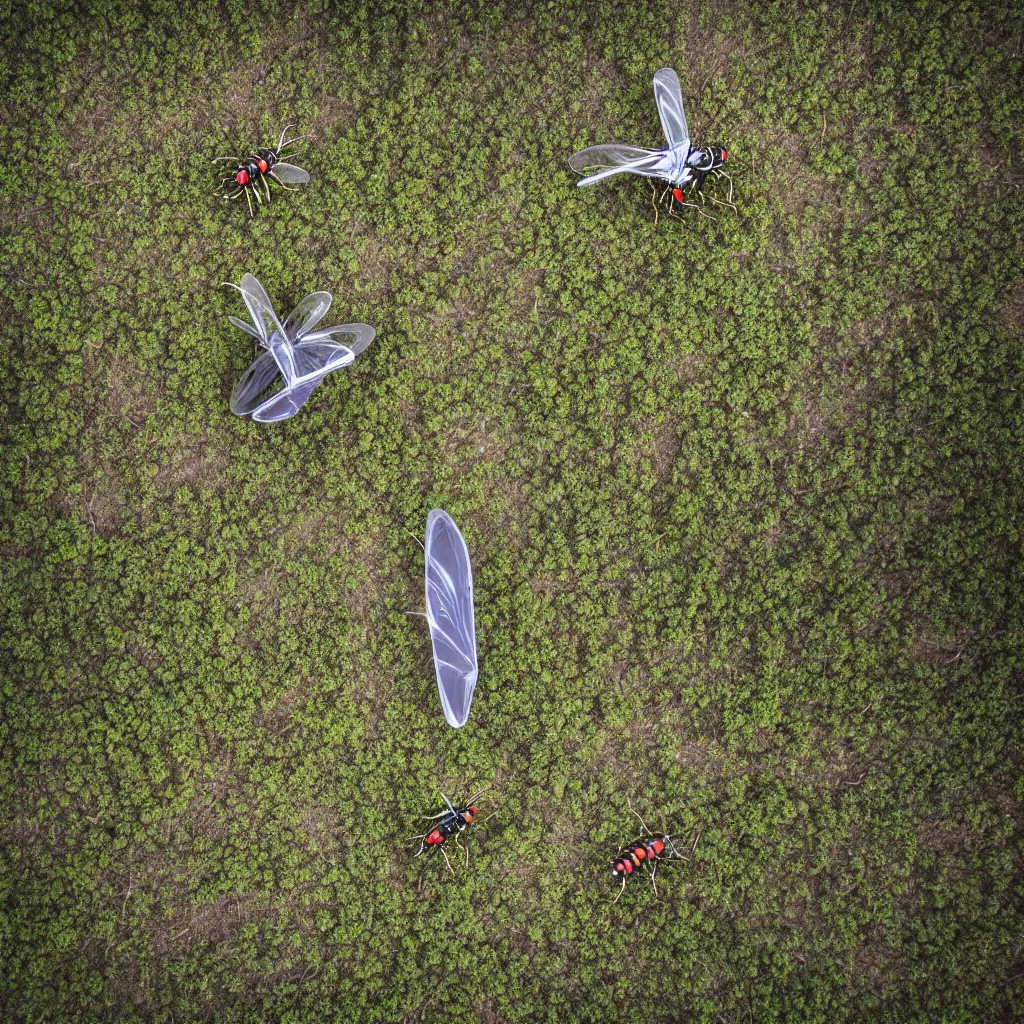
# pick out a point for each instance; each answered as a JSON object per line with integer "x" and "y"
{"x": 744, "y": 499}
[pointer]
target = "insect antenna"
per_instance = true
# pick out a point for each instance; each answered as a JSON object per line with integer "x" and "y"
{"x": 281, "y": 144}
{"x": 643, "y": 824}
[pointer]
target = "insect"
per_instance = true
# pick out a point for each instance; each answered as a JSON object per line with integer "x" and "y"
{"x": 449, "y": 587}
{"x": 645, "y": 852}
{"x": 453, "y": 822}
{"x": 256, "y": 169}
{"x": 681, "y": 166}
{"x": 296, "y": 352}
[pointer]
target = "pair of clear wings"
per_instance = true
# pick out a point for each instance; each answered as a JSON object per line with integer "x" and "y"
{"x": 671, "y": 164}
{"x": 449, "y": 583}
{"x": 297, "y": 356}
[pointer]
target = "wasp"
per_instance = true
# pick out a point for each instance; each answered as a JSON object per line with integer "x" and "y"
{"x": 647, "y": 851}
{"x": 453, "y": 822}
{"x": 257, "y": 168}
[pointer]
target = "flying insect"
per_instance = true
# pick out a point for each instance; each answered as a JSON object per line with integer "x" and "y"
{"x": 681, "y": 166}
{"x": 256, "y": 169}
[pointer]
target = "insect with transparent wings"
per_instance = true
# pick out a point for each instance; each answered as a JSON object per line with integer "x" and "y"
{"x": 297, "y": 355}
{"x": 256, "y": 169}
{"x": 449, "y": 586}
{"x": 681, "y": 166}
{"x": 453, "y": 822}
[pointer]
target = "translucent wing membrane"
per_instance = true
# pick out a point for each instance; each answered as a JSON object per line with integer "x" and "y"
{"x": 281, "y": 379}
{"x": 669, "y": 98}
{"x": 610, "y": 155}
{"x": 319, "y": 358}
{"x": 285, "y": 404}
{"x": 353, "y": 336}
{"x": 254, "y": 387}
{"x": 307, "y": 314}
{"x": 615, "y": 159}
{"x": 260, "y": 308}
{"x": 248, "y": 328}
{"x": 290, "y": 174}
{"x": 449, "y": 585}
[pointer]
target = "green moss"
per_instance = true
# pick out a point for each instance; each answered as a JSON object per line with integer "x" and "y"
{"x": 743, "y": 499}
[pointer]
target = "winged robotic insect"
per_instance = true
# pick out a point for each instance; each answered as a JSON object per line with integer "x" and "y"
{"x": 449, "y": 585}
{"x": 681, "y": 165}
{"x": 254, "y": 171}
{"x": 296, "y": 357}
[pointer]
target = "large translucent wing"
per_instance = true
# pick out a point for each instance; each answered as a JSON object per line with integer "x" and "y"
{"x": 319, "y": 358}
{"x": 285, "y": 404}
{"x": 353, "y": 336}
{"x": 307, "y": 314}
{"x": 248, "y": 328}
{"x": 650, "y": 163}
{"x": 260, "y": 308}
{"x": 669, "y": 98}
{"x": 606, "y": 156}
{"x": 251, "y": 390}
{"x": 449, "y": 583}
{"x": 290, "y": 174}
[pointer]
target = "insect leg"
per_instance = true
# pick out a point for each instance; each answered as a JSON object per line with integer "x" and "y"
{"x": 654, "y": 203}
{"x": 718, "y": 202}
{"x": 281, "y": 183}
{"x": 479, "y": 792}
{"x": 465, "y": 849}
{"x": 728, "y": 178}
{"x": 245, "y": 189}
{"x": 621, "y": 890}
{"x": 672, "y": 846}
{"x": 221, "y": 159}
{"x": 423, "y": 871}
{"x": 654, "y": 871}
{"x": 263, "y": 178}
{"x": 446, "y": 860}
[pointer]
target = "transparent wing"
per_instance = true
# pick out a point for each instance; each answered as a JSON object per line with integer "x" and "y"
{"x": 260, "y": 308}
{"x": 283, "y": 353}
{"x": 319, "y": 358}
{"x": 290, "y": 174}
{"x": 307, "y": 314}
{"x": 251, "y": 390}
{"x": 669, "y": 98}
{"x": 607, "y": 156}
{"x": 248, "y": 328}
{"x": 612, "y": 159}
{"x": 449, "y": 584}
{"x": 285, "y": 404}
{"x": 353, "y": 336}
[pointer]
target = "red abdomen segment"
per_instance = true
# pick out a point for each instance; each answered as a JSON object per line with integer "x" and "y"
{"x": 434, "y": 838}
{"x": 636, "y": 855}
{"x": 242, "y": 177}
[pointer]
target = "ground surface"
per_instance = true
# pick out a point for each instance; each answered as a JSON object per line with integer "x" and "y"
{"x": 743, "y": 497}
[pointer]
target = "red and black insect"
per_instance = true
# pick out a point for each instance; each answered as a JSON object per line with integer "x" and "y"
{"x": 645, "y": 852}
{"x": 704, "y": 162}
{"x": 454, "y": 821}
{"x": 256, "y": 169}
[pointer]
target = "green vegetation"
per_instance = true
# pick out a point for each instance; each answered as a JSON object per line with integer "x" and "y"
{"x": 743, "y": 497}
